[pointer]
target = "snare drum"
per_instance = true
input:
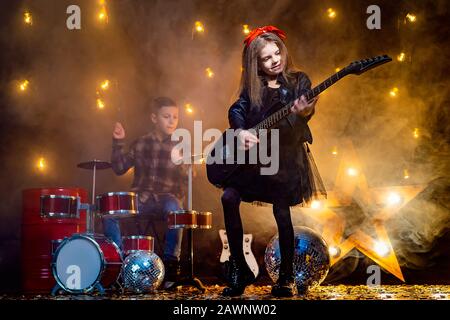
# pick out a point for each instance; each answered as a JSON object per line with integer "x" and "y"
{"x": 59, "y": 206}
{"x": 204, "y": 220}
{"x": 132, "y": 244}
{"x": 81, "y": 262}
{"x": 118, "y": 204}
{"x": 182, "y": 219}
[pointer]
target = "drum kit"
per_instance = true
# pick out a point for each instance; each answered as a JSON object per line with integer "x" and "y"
{"x": 82, "y": 262}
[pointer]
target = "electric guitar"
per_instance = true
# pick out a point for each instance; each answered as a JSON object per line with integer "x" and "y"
{"x": 222, "y": 164}
{"x": 247, "y": 246}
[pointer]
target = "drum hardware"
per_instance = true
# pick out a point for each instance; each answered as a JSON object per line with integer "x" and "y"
{"x": 93, "y": 165}
{"x": 191, "y": 217}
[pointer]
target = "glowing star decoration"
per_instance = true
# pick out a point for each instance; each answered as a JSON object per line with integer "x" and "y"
{"x": 394, "y": 92}
{"x": 331, "y": 13}
{"x": 352, "y": 172}
{"x": 188, "y": 107}
{"x": 401, "y": 57}
{"x": 316, "y": 204}
{"x": 104, "y": 85}
{"x": 100, "y": 103}
{"x": 209, "y": 73}
{"x": 23, "y": 85}
{"x": 27, "y": 18}
{"x": 411, "y": 17}
{"x": 245, "y": 29}
{"x": 41, "y": 164}
{"x": 372, "y": 201}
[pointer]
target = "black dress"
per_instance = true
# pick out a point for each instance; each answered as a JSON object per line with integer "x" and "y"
{"x": 297, "y": 180}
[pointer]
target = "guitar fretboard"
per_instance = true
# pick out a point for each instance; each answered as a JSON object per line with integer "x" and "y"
{"x": 310, "y": 94}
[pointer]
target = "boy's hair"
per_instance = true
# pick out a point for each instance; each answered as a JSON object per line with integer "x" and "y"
{"x": 159, "y": 102}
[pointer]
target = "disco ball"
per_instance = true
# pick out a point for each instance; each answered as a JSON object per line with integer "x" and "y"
{"x": 142, "y": 271}
{"x": 311, "y": 259}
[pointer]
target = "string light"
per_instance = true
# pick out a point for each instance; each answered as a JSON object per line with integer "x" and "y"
{"x": 334, "y": 151}
{"x": 41, "y": 164}
{"x": 352, "y": 172}
{"x": 337, "y": 69}
{"x": 103, "y": 15}
{"x": 199, "y": 27}
{"x": 331, "y": 13}
{"x": 393, "y": 93}
{"x": 405, "y": 174}
{"x": 381, "y": 248}
{"x": 411, "y": 17}
{"x": 189, "y": 108}
{"x": 28, "y": 18}
{"x": 209, "y": 73}
{"x": 104, "y": 85}
{"x": 416, "y": 133}
{"x": 23, "y": 86}
{"x": 401, "y": 57}
{"x": 245, "y": 29}
{"x": 100, "y": 103}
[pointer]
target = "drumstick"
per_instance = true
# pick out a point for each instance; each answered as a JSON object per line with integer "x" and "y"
{"x": 119, "y": 116}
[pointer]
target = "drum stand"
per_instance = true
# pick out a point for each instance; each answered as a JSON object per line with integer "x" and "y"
{"x": 190, "y": 280}
{"x": 93, "y": 165}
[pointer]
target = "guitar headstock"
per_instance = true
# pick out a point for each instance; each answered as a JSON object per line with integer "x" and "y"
{"x": 361, "y": 66}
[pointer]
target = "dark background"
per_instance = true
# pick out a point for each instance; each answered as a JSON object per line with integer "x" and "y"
{"x": 148, "y": 49}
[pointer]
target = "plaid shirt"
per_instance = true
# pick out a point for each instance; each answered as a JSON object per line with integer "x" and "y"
{"x": 154, "y": 171}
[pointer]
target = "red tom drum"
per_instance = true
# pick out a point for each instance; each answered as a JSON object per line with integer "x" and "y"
{"x": 118, "y": 204}
{"x": 204, "y": 220}
{"x": 59, "y": 206}
{"x": 182, "y": 219}
{"x": 132, "y": 244}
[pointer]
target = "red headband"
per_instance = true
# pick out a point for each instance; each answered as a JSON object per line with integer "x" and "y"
{"x": 259, "y": 31}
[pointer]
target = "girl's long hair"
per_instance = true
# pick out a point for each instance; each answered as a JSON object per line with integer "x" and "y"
{"x": 251, "y": 76}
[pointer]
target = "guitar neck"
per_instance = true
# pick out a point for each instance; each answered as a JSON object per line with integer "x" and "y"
{"x": 310, "y": 94}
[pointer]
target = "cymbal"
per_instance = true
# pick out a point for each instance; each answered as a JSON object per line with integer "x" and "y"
{"x": 99, "y": 165}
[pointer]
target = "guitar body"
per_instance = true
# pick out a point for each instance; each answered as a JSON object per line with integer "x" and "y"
{"x": 222, "y": 164}
{"x": 247, "y": 247}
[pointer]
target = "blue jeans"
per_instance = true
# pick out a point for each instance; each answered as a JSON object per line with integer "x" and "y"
{"x": 159, "y": 204}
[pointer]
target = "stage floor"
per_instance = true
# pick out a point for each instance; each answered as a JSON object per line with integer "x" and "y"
{"x": 256, "y": 292}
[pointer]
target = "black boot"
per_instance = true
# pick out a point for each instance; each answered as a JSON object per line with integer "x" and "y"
{"x": 239, "y": 276}
{"x": 284, "y": 286}
{"x": 172, "y": 274}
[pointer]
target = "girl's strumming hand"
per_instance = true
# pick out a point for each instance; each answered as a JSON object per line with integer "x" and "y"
{"x": 247, "y": 140}
{"x": 302, "y": 107}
